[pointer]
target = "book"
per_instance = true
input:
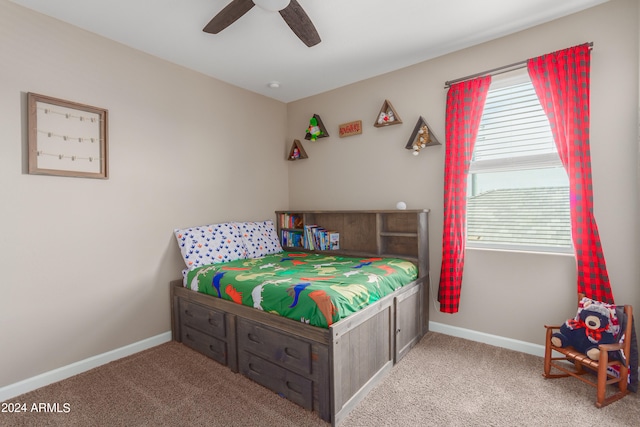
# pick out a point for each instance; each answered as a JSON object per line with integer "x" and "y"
{"x": 309, "y": 240}
{"x": 292, "y": 238}
{"x": 334, "y": 240}
{"x": 290, "y": 220}
{"x": 318, "y": 238}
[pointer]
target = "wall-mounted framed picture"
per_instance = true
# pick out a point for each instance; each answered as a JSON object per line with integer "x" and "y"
{"x": 66, "y": 138}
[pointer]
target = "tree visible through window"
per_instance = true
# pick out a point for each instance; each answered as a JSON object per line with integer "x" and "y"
{"x": 518, "y": 195}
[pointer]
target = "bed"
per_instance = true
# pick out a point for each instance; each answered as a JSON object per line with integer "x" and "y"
{"x": 327, "y": 359}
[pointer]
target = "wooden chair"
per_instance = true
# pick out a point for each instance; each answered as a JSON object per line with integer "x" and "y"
{"x": 599, "y": 367}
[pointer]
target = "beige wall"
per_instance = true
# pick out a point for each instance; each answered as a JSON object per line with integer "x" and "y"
{"x": 86, "y": 263}
{"x": 505, "y": 294}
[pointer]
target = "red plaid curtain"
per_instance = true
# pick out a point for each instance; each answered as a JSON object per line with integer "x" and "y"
{"x": 561, "y": 80}
{"x": 465, "y": 104}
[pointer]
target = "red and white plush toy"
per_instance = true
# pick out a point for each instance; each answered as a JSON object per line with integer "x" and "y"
{"x": 386, "y": 117}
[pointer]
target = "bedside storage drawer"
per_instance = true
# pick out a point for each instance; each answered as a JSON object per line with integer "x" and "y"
{"x": 292, "y": 386}
{"x": 202, "y": 318}
{"x": 205, "y": 344}
{"x": 286, "y": 351}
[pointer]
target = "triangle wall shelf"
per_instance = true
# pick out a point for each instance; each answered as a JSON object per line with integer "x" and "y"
{"x": 387, "y": 116}
{"x": 297, "y": 151}
{"x": 323, "y": 129}
{"x": 421, "y": 135}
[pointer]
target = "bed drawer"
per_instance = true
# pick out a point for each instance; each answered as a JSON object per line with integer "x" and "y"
{"x": 199, "y": 317}
{"x": 284, "y": 350}
{"x": 205, "y": 344}
{"x": 282, "y": 381}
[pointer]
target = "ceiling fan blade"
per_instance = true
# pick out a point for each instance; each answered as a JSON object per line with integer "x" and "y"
{"x": 228, "y": 16}
{"x": 298, "y": 20}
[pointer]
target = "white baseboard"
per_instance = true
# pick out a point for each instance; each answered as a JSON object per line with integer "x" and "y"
{"x": 30, "y": 384}
{"x": 495, "y": 340}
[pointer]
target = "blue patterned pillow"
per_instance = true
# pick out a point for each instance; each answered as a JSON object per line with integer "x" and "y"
{"x": 260, "y": 238}
{"x": 210, "y": 244}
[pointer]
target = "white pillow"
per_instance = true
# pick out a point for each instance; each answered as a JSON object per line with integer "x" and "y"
{"x": 260, "y": 238}
{"x": 210, "y": 244}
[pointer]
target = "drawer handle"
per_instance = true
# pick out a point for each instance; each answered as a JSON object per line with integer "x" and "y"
{"x": 292, "y": 353}
{"x": 189, "y": 337}
{"x": 188, "y": 313}
{"x": 254, "y": 338}
{"x": 213, "y": 322}
{"x": 252, "y": 367}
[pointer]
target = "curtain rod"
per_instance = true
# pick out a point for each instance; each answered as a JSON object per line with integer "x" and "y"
{"x": 496, "y": 71}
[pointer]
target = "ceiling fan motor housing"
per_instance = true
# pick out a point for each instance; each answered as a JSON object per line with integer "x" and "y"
{"x": 272, "y": 5}
{"x": 290, "y": 10}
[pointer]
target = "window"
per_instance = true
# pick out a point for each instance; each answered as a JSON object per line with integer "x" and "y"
{"x": 518, "y": 190}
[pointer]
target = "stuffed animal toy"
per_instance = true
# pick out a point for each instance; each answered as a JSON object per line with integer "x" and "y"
{"x": 386, "y": 117}
{"x": 314, "y": 129}
{"x": 421, "y": 141}
{"x": 594, "y": 324}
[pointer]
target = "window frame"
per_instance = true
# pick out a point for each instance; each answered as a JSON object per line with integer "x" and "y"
{"x": 518, "y": 163}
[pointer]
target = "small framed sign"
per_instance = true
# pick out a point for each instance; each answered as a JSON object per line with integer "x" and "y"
{"x": 350, "y": 129}
{"x": 66, "y": 138}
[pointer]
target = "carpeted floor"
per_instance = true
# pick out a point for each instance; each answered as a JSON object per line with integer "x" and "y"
{"x": 443, "y": 381}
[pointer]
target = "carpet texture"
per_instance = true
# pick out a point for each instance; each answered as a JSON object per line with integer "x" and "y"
{"x": 443, "y": 381}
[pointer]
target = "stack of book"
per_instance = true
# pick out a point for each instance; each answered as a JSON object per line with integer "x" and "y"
{"x": 292, "y": 238}
{"x": 290, "y": 220}
{"x": 317, "y": 238}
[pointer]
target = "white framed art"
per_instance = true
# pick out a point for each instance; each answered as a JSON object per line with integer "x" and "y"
{"x": 66, "y": 138}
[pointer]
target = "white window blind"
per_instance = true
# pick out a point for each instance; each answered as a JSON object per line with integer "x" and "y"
{"x": 518, "y": 189}
{"x": 514, "y": 132}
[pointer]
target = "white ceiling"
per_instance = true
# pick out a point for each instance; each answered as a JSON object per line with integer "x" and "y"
{"x": 360, "y": 38}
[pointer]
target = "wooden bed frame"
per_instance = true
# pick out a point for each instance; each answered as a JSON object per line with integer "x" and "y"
{"x": 324, "y": 370}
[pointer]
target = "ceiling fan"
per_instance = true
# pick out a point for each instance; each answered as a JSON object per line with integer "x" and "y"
{"x": 290, "y": 10}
